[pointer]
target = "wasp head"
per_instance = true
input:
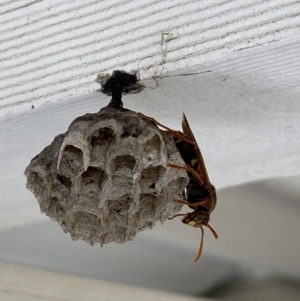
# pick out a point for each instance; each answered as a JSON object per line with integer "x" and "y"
{"x": 197, "y": 218}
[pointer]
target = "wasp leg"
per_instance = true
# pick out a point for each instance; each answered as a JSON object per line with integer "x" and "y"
{"x": 190, "y": 170}
{"x": 179, "y": 214}
{"x": 180, "y": 136}
{"x": 170, "y": 132}
{"x": 155, "y": 121}
{"x": 181, "y": 202}
{"x": 196, "y": 204}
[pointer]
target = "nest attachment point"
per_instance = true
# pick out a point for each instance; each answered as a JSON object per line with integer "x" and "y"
{"x": 105, "y": 179}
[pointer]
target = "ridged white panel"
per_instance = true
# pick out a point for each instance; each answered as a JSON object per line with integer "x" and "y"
{"x": 50, "y": 50}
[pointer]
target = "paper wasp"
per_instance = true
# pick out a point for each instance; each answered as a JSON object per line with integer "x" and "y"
{"x": 200, "y": 194}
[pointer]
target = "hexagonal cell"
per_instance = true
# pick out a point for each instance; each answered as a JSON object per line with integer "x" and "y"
{"x": 146, "y": 209}
{"x": 149, "y": 178}
{"x": 123, "y": 163}
{"x": 64, "y": 181}
{"x": 152, "y": 148}
{"x": 120, "y": 185}
{"x": 100, "y": 141}
{"x": 93, "y": 175}
{"x": 71, "y": 164}
{"x": 120, "y": 205}
{"x": 130, "y": 132}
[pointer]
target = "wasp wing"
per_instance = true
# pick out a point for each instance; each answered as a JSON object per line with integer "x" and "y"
{"x": 201, "y": 169}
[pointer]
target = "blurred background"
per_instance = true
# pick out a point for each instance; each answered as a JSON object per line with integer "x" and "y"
{"x": 236, "y": 77}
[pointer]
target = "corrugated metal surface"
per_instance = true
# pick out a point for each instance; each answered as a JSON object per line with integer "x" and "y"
{"x": 50, "y": 50}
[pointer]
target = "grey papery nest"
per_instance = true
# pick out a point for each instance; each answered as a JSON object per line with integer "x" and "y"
{"x": 106, "y": 179}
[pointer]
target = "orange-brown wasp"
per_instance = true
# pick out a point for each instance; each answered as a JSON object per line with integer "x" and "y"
{"x": 200, "y": 194}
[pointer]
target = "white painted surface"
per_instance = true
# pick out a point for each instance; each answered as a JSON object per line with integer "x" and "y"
{"x": 51, "y": 50}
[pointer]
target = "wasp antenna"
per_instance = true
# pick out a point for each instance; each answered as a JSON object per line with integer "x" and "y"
{"x": 213, "y": 231}
{"x": 201, "y": 245}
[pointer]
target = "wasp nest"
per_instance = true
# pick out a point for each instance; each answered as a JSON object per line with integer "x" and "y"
{"x": 105, "y": 179}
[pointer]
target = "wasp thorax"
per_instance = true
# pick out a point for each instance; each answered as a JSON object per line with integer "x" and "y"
{"x": 105, "y": 179}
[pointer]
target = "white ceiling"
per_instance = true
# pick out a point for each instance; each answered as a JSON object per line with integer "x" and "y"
{"x": 51, "y": 50}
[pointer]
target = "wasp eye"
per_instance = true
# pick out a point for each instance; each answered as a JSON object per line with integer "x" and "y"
{"x": 192, "y": 223}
